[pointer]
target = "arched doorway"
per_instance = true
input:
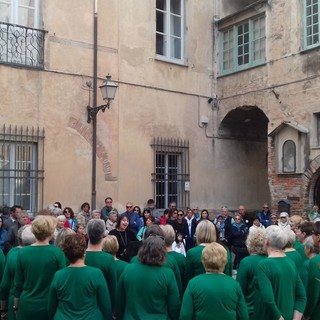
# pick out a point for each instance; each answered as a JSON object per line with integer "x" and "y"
{"x": 243, "y": 154}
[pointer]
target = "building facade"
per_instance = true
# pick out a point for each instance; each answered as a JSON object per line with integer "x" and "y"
{"x": 267, "y": 89}
{"x": 217, "y": 103}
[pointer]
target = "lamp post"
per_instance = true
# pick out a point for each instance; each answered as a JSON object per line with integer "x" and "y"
{"x": 108, "y": 91}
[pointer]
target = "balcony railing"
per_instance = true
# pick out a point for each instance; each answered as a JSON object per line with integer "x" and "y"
{"x": 21, "y": 45}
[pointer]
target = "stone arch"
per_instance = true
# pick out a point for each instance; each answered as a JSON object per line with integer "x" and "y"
{"x": 241, "y": 150}
{"x": 248, "y": 122}
{"x": 310, "y": 180}
{"x": 86, "y": 132}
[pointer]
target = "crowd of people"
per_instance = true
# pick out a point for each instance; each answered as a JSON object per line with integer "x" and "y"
{"x": 148, "y": 264}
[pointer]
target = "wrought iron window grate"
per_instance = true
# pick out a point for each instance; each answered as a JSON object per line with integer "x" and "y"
{"x": 171, "y": 171}
{"x": 22, "y": 167}
{"x": 20, "y": 45}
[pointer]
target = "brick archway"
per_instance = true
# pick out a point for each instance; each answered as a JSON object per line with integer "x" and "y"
{"x": 86, "y": 132}
{"x": 310, "y": 178}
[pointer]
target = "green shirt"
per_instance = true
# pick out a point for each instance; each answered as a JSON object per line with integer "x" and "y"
{"x": 300, "y": 248}
{"x": 194, "y": 264}
{"x": 119, "y": 266}
{"x": 6, "y": 287}
{"x": 213, "y": 296}
{"x": 313, "y": 289}
{"x": 295, "y": 256}
{"x": 105, "y": 262}
{"x": 246, "y": 276}
{"x": 2, "y": 263}
{"x": 36, "y": 266}
{"x": 147, "y": 293}
{"x": 280, "y": 288}
{"x": 79, "y": 293}
{"x": 171, "y": 264}
{"x": 181, "y": 262}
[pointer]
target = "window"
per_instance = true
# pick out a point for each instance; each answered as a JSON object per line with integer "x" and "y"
{"x": 171, "y": 163}
{"x": 243, "y": 45}
{"x": 21, "y": 167}
{"x": 289, "y": 157}
{"x": 21, "y": 41}
{"x": 169, "y": 30}
{"x": 311, "y": 23}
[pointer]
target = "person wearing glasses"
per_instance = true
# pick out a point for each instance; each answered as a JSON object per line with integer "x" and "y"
{"x": 134, "y": 219}
{"x": 265, "y": 215}
{"x": 71, "y": 221}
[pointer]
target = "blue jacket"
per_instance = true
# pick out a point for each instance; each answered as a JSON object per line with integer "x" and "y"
{"x": 265, "y": 218}
{"x": 134, "y": 221}
{"x": 238, "y": 234}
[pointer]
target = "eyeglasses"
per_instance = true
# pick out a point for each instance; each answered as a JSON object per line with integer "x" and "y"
{"x": 265, "y": 207}
{"x": 108, "y": 201}
{"x": 66, "y": 211}
{"x": 179, "y": 214}
{"x": 283, "y": 217}
{"x": 129, "y": 207}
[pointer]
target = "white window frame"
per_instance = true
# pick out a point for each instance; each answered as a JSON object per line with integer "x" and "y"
{"x": 15, "y": 16}
{"x": 308, "y": 24}
{"x": 167, "y": 33}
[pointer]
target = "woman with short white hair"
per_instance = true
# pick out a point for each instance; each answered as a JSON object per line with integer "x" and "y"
{"x": 280, "y": 293}
{"x": 247, "y": 271}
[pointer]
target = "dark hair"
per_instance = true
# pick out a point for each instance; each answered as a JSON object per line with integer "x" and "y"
{"x": 74, "y": 247}
{"x": 2, "y": 223}
{"x": 70, "y": 210}
{"x": 306, "y": 227}
{"x": 5, "y": 211}
{"x": 153, "y": 251}
{"x": 108, "y": 198}
{"x": 120, "y": 218}
{"x": 167, "y": 211}
{"x": 13, "y": 208}
{"x": 153, "y": 230}
{"x": 316, "y": 227}
{"x": 84, "y": 205}
{"x": 256, "y": 217}
{"x": 139, "y": 210}
{"x": 58, "y": 203}
{"x": 95, "y": 230}
{"x": 150, "y": 201}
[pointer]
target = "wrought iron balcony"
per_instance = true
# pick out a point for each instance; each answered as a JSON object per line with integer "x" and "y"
{"x": 20, "y": 45}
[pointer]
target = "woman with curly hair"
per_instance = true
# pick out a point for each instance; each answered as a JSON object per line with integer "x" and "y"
{"x": 248, "y": 266}
{"x": 148, "y": 290}
{"x": 79, "y": 291}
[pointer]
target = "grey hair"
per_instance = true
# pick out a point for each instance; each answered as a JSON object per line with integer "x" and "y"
{"x": 291, "y": 238}
{"x": 95, "y": 211}
{"x": 27, "y": 236}
{"x": 54, "y": 211}
{"x": 61, "y": 217}
{"x": 309, "y": 244}
{"x": 95, "y": 230}
{"x": 169, "y": 234}
{"x": 276, "y": 237}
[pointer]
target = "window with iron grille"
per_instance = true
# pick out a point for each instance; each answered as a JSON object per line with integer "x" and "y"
{"x": 21, "y": 167}
{"x": 21, "y": 40}
{"x": 171, "y": 171}
{"x": 311, "y": 23}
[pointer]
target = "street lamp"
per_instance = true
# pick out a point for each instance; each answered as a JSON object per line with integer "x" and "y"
{"x": 108, "y": 91}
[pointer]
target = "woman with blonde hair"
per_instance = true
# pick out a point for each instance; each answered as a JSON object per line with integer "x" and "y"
{"x": 205, "y": 234}
{"x": 248, "y": 266}
{"x": 110, "y": 245}
{"x": 35, "y": 268}
{"x": 213, "y": 294}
